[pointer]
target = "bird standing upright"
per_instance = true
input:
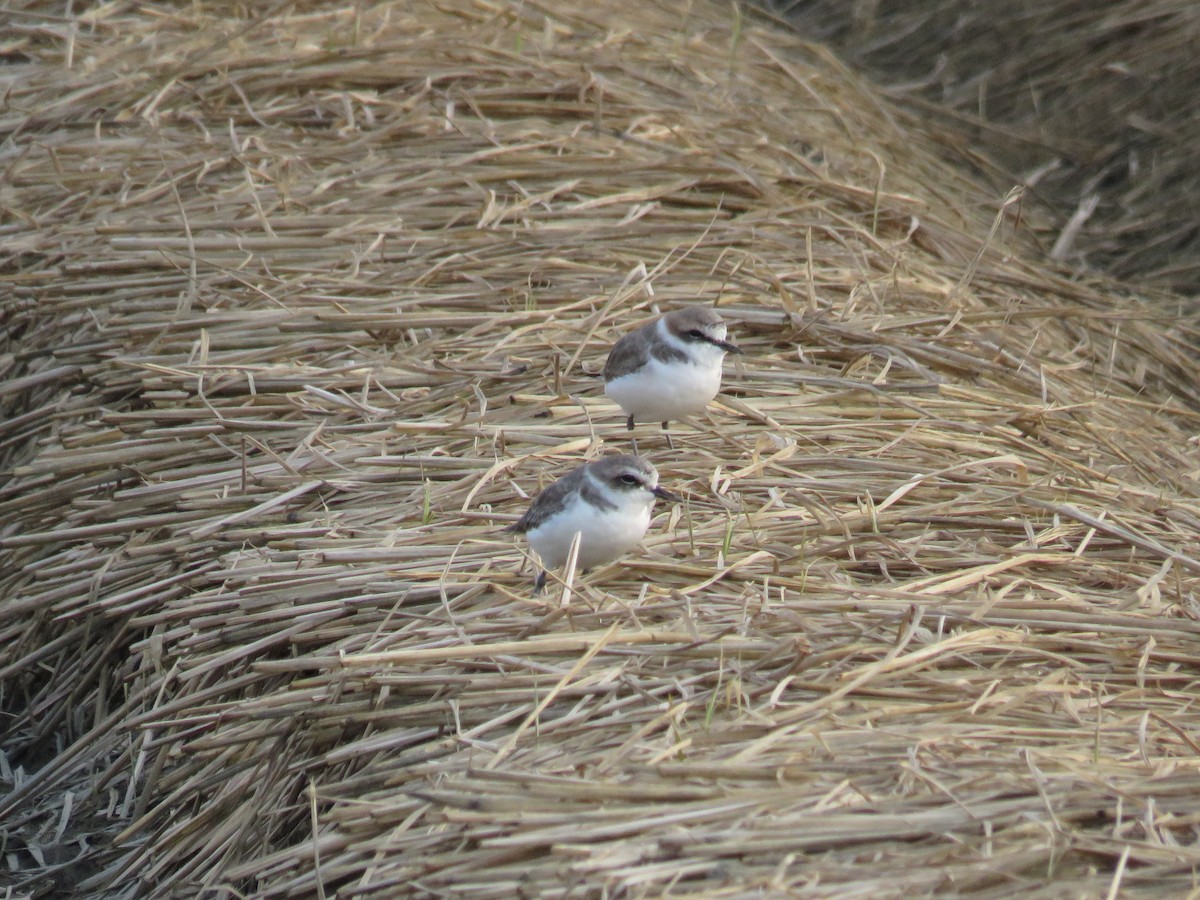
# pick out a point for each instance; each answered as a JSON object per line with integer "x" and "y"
{"x": 670, "y": 367}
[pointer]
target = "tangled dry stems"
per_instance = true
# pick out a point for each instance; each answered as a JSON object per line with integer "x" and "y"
{"x": 300, "y": 307}
{"x": 1091, "y": 103}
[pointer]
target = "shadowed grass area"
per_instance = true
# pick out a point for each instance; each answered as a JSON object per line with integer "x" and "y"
{"x": 301, "y": 307}
{"x": 1091, "y": 103}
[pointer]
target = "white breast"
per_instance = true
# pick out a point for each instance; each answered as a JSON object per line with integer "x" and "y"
{"x": 605, "y": 534}
{"x": 660, "y": 392}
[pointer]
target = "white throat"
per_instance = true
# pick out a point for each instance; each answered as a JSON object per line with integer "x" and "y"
{"x": 633, "y": 503}
{"x": 699, "y": 353}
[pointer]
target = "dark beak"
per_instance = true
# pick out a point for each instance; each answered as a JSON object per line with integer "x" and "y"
{"x": 663, "y": 494}
{"x": 728, "y": 347}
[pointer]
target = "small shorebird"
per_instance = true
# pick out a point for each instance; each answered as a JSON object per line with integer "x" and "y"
{"x": 606, "y": 502}
{"x": 669, "y": 368}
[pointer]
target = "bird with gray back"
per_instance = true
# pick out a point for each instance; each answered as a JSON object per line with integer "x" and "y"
{"x": 606, "y": 502}
{"x": 669, "y": 368}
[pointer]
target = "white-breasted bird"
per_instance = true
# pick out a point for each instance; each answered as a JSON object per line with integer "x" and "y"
{"x": 606, "y": 502}
{"x": 670, "y": 367}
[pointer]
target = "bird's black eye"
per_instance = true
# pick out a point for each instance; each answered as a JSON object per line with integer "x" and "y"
{"x": 630, "y": 480}
{"x": 697, "y": 335}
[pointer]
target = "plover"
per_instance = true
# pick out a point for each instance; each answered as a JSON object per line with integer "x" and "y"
{"x": 669, "y": 368}
{"x": 607, "y": 502}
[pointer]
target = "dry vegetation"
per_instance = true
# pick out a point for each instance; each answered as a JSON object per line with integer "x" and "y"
{"x": 298, "y": 307}
{"x": 1092, "y": 103}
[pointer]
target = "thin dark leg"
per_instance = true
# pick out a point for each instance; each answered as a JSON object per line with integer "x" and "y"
{"x": 670, "y": 443}
{"x": 539, "y": 583}
{"x": 629, "y": 424}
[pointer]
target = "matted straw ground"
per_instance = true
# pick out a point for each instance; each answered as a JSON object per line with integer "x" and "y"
{"x": 1091, "y": 103}
{"x": 300, "y": 308}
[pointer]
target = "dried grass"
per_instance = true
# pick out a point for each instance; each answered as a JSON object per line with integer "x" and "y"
{"x": 1092, "y": 103}
{"x": 299, "y": 307}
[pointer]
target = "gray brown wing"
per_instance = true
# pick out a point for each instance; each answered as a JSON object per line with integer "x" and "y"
{"x": 628, "y": 354}
{"x": 547, "y": 503}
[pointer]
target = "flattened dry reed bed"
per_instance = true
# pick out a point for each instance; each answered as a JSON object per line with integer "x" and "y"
{"x": 1092, "y": 103}
{"x": 300, "y": 308}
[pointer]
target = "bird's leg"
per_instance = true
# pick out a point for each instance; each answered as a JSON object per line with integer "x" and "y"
{"x": 629, "y": 424}
{"x": 670, "y": 443}
{"x": 539, "y": 583}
